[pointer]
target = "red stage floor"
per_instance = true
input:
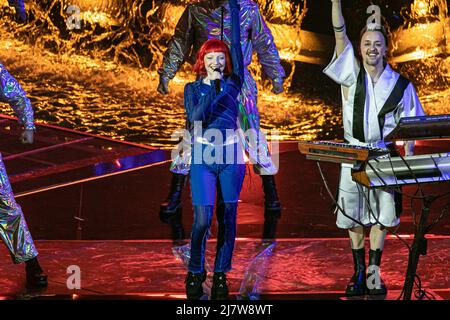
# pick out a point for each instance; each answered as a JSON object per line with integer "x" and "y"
{"x": 106, "y": 195}
{"x": 292, "y": 268}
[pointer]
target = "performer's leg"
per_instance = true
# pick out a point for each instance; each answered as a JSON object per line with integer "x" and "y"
{"x": 218, "y": 279}
{"x": 197, "y": 274}
{"x": 226, "y": 237}
{"x": 220, "y": 207}
{"x": 225, "y": 247}
{"x": 257, "y": 149}
{"x": 171, "y": 209}
{"x": 356, "y": 238}
{"x": 375, "y": 283}
{"x": 272, "y": 207}
{"x": 203, "y": 180}
{"x": 173, "y": 200}
{"x": 262, "y": 166}
{"x": 230, "y": 181}
{"x": 377, "y": 237}
{"x": 15, "y": 234}
{"x": 357, "y": 284}
{"x": 220, "y": 216}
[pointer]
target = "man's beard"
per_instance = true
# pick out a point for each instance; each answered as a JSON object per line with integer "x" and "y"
{"x": 372, "y": 61}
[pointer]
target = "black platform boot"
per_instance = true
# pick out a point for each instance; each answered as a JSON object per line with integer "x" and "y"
{"x": 35, "y": 275}
{"x": 177, "y": 229}
{"x": 375, "y": 284}
{"x": 170, "y": 206}
{"x": 219, "y": 289}
{"x": 357, "y": 284}
{"x": 194, "y": 285}
{"x": 171, "y": 209}
{"x": 272, "y": 207}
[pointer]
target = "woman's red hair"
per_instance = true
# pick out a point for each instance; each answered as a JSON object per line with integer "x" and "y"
{"x": 212, "y": 45}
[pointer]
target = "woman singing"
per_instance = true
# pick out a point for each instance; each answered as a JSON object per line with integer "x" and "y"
{"x": 217, "y": 160}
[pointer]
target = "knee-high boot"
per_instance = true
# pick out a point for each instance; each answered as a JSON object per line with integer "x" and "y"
{"x": 357, "y": 284}
{"x": 272, "y": 207}
{"x": 374, "y": 282}
{"x": 171, "y": 209}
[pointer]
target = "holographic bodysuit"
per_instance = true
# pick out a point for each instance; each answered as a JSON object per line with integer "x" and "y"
{"x": 203, "y": 20}
{"x": 13, "y": 228}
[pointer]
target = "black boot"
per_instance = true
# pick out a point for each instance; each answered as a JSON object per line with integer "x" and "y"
{"x": 35, "y": 275}
{"x": 173, "y": 202}
{"x": 177, "y": 230}
{"x": 171, "y": 209}
{"x": 357, "y": 284}
{"x": 219, "y": 289}
{"x": 375, "y": 284}
{"x": 270, "y": 227}
{"x": 272, "y": 207}
{"x": 194, "y": 285}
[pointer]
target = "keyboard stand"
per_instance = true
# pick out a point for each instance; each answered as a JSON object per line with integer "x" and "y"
{"x": 419, "y": 247}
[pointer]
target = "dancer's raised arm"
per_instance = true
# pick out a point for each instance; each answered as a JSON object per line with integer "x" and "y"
{"x": 236, "y": 49}
{"x": 339, "y": 26}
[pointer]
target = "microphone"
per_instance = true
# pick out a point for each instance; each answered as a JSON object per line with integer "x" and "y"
{"x": 217, "y": 81}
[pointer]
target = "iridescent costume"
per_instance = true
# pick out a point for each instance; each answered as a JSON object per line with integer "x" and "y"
{"x": 13, "y": 228}
{"x": 207, "y": 19}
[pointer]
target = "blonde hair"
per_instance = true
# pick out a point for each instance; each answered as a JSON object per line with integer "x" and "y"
{"x": 374, "y": 27}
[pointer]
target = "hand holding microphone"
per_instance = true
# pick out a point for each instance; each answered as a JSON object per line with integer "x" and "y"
{"x": 217, "y": 76}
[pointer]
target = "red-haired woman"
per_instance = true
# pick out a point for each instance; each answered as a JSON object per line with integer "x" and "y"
{"x": 217, "y": 160}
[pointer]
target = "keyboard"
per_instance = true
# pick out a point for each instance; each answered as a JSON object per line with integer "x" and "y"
{"x": 421, "y": 128}
{"x": 389, "y": 172}
{"x": 339, "y": 152}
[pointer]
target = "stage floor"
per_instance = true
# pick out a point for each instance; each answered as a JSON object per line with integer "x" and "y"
{"x": 93, "y": 202}
{"x": 154, "y": 269}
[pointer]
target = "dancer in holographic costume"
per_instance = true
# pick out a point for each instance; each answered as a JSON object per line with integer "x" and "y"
{"x": 13, "y": 228}
{"x": 210, "y": 19}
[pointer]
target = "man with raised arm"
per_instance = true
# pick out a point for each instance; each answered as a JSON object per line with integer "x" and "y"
{"x": 374, "y": 98}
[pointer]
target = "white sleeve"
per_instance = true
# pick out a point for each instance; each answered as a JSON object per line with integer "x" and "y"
{"x": 411, "y": 108}
{"x": 411, "y": 103}
{"x": 344, "y": 68}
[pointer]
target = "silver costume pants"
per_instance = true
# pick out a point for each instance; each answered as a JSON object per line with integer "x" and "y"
{"x": 13, "y": 228}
